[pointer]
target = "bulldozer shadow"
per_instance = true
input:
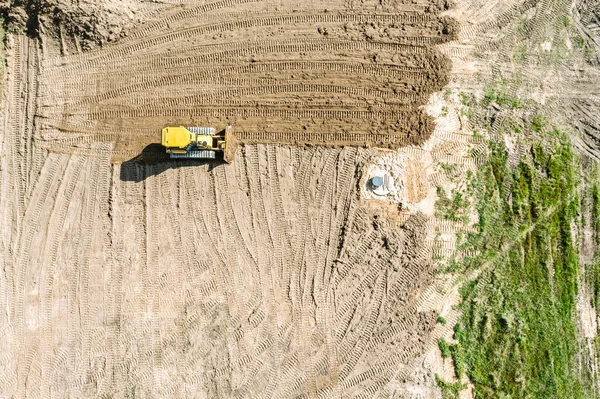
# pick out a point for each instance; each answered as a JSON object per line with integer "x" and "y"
{"x": 153, "y": 160}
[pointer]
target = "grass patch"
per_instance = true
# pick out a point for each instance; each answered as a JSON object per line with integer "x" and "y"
{"x": 517, "y": 336}
{"x": 453, "y": 207}
{"x": 593, "y": 280}
{"x": 444, "y": 348}
{"x": 500, "y": 94}
{"x": 449, "y": 390}
{"x": 447, "y": 167}
{"x": 537, "y": 124}
{"x": 596, "y": 211}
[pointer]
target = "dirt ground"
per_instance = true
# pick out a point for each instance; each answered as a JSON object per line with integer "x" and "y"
{"x": 269, "y": 277}
{"x": 275, "y": 276}
{"x": 284, "y": 72}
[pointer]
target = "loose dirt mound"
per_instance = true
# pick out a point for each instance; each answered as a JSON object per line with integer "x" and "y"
{"x": 83, "y": 24}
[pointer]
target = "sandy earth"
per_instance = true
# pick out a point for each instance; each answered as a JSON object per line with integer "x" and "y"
{"x": 275, "y": 276}
{"x": 326, "y": 73}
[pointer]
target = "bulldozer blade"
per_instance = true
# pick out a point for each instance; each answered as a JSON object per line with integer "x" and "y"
{"x": 230, "y": 146}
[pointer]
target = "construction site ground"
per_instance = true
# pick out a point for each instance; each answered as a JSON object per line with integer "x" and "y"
{"x": 123, "y": 274}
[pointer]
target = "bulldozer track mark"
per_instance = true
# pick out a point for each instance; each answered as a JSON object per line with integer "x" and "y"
{"x": 16, "y": 120}
{"x": 29, "y": 103}
{"x": 387, "y": 334}
{"x": 322, "y": 218}
{"x": 25, "y": 368}
{"x": 246, "y": 113}
{"x": 281, "y": 234}
{"x": 355, "y": 257}
{"x": 252, "y": 269}
{"x": 346, "y": 305}
{"x": 343, "y": 206}
{"x": 410, "y": 278}
{"x": 298, "y": 261}
{"x": 218, "y": 75}
{"x": 189, "y": 13}
{"x": 500, "y": 21}
{"x": 187, "y": 228}
{"x": 46, "y": 190}
{"x": 15, "y": 203}
{"x": 229, "y": 214}
{"x": 115, "y": 310}
{"x": 212, "y": 54}
{"x": 327, "y": 139}
{"x": 351, "y": 358}
{"x": 223, "y": 97}
{"x": 57, "y": 217}
{"x": 152, "y": 194}
{"x": 255, "y": 190}
{"x": 128, "y": 49}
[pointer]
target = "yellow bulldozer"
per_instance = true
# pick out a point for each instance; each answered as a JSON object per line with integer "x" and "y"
{"x": 199, "y": 143}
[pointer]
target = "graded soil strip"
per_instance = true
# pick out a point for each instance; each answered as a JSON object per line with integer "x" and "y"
{"x": 311, "y": 76}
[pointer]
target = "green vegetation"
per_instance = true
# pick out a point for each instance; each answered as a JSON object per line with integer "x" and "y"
{"x": 449, "y": 390}
{"x": 444, "y": 348}
{"x": 454, "y": 207}
{"x": 441, "y": 320}
{"x": 499, "y": 94}
{"x": 466, "y": 99}
{"x": 447, "y": 94}
{"x": 595, "y": 194}
{"x": 537, "y": 124}
{"x": 447, "y": 167}
{"x": 593, "y": 279}
{"x": 516, "y": 336}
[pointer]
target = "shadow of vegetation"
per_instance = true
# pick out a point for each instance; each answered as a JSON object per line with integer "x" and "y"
{"x": 153, "y": 160}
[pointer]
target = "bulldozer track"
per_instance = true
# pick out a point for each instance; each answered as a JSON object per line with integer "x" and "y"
{"x": 15, "y": 120}
{"x": 48, "y": 184}
{"x": 55, "y": 219}
{"x": 220, "y": 96}
{"x": 127, "y": 49}
{"x": 322, "y": 138}
{"x": 239, "y": 50}
{"x": 281, "y": 235}
{"x": 406, "y": 17}
{"x": 189, "y": 13}
{"x": 245, "y": 113}
{"x": 357, "y": 99}
{"x": 228, "y": 51}
{"x": 215, "y": 76}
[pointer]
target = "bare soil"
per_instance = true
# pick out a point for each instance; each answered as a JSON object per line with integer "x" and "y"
{"x": 314, "y": 73}
{"x": 268, "y": 277}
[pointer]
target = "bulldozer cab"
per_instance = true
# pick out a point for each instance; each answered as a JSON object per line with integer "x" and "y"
{"x": 176, "y": 137}
{"x": 198, "y": 142}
